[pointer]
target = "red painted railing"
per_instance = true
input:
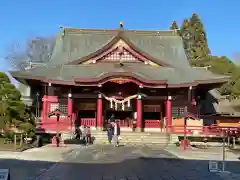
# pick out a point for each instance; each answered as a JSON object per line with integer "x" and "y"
{"x": 202, "y": 130}
{"x": 148, "y": 123}
{"x": 125, "y": 123}
{"x": 88, "y": 121}
{"x": 153, "y": 124}
{"x": 51, "y": 124}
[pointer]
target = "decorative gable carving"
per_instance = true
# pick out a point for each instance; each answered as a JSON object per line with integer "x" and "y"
{"x": 119, "y": 55}
{"x": 120, "y": 52}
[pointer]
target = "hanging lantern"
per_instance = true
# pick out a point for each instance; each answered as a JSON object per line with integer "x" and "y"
{"x": 194, "y": 101}
{"x": 115, "y": 105}
{"x": 111, "y": 103}
{"x": 128, "y": 103}
{"x": 123, "y": 106}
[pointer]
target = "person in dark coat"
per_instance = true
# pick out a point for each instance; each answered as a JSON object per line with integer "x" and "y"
{"x": 110, "y": 132}
{"x": 58, "y": 139}
{"x": 112, "y": 118}
{"x": 77, "y": 133}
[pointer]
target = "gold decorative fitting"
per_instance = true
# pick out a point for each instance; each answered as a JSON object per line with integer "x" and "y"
{"x": 121, "y": 24}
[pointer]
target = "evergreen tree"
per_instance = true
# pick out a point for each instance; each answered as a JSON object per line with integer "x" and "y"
{"x": 174, "y": 26}
{"x": 198, "y": 53}
{"x": 200, "y": 46}
{"x": 186, "y": 33}
{"x": 13, "y": 111}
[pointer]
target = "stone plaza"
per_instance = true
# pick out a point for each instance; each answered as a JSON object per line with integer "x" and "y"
{"x": 104, "y": 162}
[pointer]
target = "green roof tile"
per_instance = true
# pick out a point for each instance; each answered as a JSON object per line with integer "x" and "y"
{"x": 87, "y": 71}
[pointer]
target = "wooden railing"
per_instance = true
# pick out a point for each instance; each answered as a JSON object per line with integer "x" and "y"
{"x": 153, "y": 123}
{"x": 202, "y": 130}
{"x": 88, "y": 121}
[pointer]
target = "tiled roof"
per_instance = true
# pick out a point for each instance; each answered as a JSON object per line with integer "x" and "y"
{"x": 69, "y": 72}
{"x": 163, "y": 46}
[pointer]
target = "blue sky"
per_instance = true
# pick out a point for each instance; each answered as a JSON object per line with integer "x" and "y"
{"x": 21, "y": 19}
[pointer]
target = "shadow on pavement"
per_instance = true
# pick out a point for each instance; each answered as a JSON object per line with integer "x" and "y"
{"x": 143, "y": 168}
{"x": 78, "y": 141}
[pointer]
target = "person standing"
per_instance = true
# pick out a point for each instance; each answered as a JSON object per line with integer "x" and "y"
{"x": 88, "y": 135}
{"x": 110, "y": 132}
{"x": 116, "y": 134}
{"x": 58, "y": 139}
{"x": 84, "y": 135}
{"x": 112, "y": 118}
{"x": 77, "y": 133}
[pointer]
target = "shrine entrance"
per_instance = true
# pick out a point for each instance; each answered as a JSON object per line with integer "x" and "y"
{"x": 124, "y": 118}
{"x": 120, "y": 101}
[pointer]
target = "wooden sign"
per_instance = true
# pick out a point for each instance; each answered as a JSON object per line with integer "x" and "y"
{"x": 120, "y": 80}
{"x": 152, "y": 108}
{"x": 87, "y": 106}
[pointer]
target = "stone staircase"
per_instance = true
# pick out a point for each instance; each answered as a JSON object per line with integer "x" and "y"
{"x": 132, "y": 138}
{"x": 135, "y": 138}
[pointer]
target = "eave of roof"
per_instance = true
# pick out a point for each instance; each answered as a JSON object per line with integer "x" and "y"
{"x": 97, "y": 73}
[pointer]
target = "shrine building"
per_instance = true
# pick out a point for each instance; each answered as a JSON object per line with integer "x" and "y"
{"x": 140, "y": 76}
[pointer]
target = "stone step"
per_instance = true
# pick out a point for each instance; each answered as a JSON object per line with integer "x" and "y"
{"x": 133, "y": 133}
{"x": 134, "y": 138}
{"x": 129, "y": 137}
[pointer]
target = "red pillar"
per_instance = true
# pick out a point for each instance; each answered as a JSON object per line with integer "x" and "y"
{"x": 45, "y": 108}
{"x": 70, "y": 105}
{"x": 169, "y": 113}
{"x": 139, "y": 113}
{"x": 99, "y": 112}
{"x": 70, "y": 109}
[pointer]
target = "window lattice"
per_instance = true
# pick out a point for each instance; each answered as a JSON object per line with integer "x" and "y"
{"x": 53, "y": 107}
{"x": 115, "y": 56}
{"x": 178, "y": 111}
{"x": 62, "y": 107}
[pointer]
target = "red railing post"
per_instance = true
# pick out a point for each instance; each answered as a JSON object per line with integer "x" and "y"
{"x": 185, "y": 134}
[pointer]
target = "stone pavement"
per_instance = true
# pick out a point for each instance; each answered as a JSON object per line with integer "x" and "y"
{"x": 214, "y": 153}
{"x": 45, "y": 153}
{"x": 33, "y": 162}
{"x": 104, "y": 162}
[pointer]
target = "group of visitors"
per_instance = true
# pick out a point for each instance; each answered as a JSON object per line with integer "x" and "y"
{"x": 83, "y": 133}
{"x": 113, "y": 131}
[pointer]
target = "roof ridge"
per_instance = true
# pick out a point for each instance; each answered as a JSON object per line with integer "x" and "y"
{"x": 89, "y": 30}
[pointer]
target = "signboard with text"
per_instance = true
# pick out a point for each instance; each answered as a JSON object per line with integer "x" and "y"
{"x": 87, "y": 106}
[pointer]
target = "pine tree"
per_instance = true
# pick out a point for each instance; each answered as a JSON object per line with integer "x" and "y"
{"x": 174, "y": 26}
{"x": 200, "y": 44}
{"x": 12, "y": 109}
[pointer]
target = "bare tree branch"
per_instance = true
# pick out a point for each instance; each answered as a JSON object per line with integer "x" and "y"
{"x": 36, "y": 50}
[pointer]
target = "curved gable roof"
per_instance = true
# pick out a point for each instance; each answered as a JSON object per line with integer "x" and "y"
{"x": 162, "y": 47}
